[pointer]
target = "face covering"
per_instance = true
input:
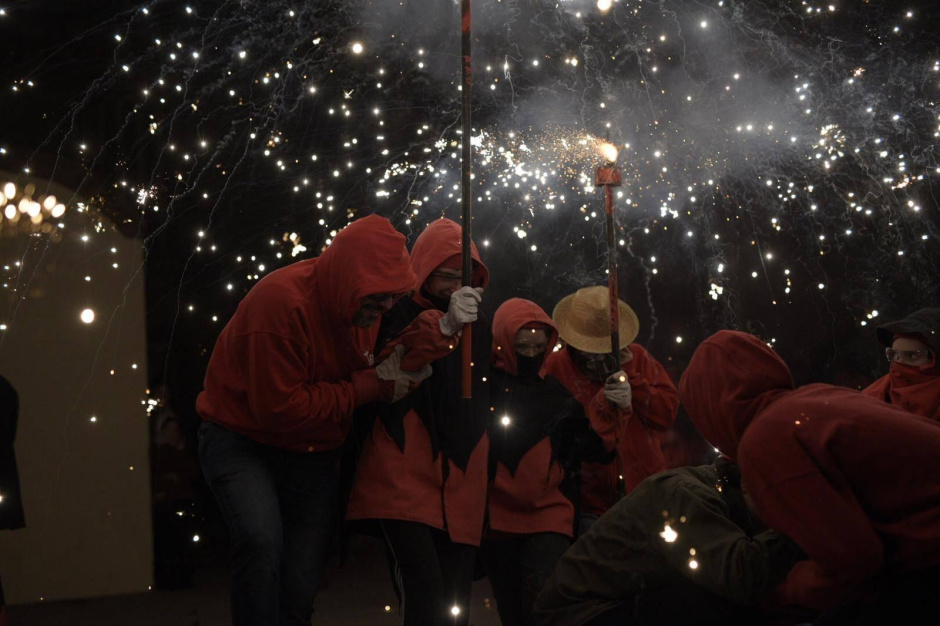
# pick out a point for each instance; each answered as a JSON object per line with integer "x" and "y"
{"x": 439, "y": 304}
{"x": 595, "y": 366}
{"x": 903, "y": 374}
{"x": 529, "y": 366}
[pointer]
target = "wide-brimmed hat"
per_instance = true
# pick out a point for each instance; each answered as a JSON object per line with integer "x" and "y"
{"x": 583, "y": 320}
{"x": 925, "y": 322}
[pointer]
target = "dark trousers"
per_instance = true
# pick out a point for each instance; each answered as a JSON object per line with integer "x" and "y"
{"x": 517, "y": 569}
{"x": 586, "y": 522}
{"x": 679, "y": 604}
{"x": 432, "y": 573}
{"x": 279, "y": 507}
{"x": 908, "y": 599}
{"x": 174, "y": 551}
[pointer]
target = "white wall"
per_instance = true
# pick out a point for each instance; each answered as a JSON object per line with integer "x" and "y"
{"x": 88, "y": 528}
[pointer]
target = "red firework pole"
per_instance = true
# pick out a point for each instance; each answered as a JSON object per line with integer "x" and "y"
{"x": 608, "y": 177}
{"x": 465, "y": 195}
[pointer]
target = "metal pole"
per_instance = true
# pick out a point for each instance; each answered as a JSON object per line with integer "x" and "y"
{"x": 465, "y": 189}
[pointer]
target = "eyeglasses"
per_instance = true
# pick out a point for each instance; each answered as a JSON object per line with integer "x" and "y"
{"x": 594, "y": 358}
{"x": 906, "y": 355}
{"x": 380, "y": 298}
{"x": 446, "y": 277}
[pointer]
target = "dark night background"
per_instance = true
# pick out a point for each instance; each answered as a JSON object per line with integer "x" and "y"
{"x": 68, "y": 51}
{"x": 639, "y": 68}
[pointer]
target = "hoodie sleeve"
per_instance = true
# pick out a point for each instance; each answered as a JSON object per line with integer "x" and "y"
{"x": 655, "y": 397}
{"x": 606, "y": 419}
{"x": 826, "y": 521}
{"x": 423, "y": 340}
{"x": 714, "y": 552}
{"x": 279, "y": 394}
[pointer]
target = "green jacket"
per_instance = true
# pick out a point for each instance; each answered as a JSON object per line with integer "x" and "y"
{"x": 684, "y": 536}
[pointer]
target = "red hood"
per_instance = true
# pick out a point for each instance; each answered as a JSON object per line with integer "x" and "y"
{"x": 731, "y": 378}
{"x": 369, "y": 256}
{"x": 440, "y": 241}
{"x": 509, "y": 318}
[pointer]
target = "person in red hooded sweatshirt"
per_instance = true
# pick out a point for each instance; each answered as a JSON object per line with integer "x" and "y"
{"x": 538, "y": 432}
{"x": 913, "y": 381}
{"x": 855, "y": 482}
{"x": 638, "y": 394}
{"x": 422, "y": 467}
{"x": 286, "y": 374}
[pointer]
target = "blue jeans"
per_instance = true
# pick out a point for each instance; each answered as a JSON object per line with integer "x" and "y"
{"x": 279, "y": 506}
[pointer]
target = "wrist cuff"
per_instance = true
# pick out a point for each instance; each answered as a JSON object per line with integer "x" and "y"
{"x": 366, "y": 386}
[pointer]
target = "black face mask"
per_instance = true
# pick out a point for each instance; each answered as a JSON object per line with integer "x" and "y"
{"x": 440, "y": 305}
{"x": 529, "y": 366}
{"x": 596, "y": 367}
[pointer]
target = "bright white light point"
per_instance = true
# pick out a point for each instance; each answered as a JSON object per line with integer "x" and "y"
{"x": 693, "y": 564}
{"x": 195, "y": 537}
{"x": 678, "y": 339}
{"x": 88, "y": 316}
{"x": 668, "y": 534}
{"x": 822, "y": 286}
{"x": 93, "y": 419}
{"x": 455, "y": 610}
{"x": 388, "y": 608}
{"x": 357, "y": 48}
{"x": 604, "y": 5}
{"x": 704, "y": 24}
{"x": 505, "y": 421}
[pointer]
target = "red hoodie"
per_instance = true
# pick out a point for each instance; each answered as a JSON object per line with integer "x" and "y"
{"x": 854, "y": 481}
{"x": 527, "y": 499}
{"x": 408, "y": 483}
{"x": 280, "y": 371}
{"x": 911, "y": 388}
{"x": 639, "y": 451}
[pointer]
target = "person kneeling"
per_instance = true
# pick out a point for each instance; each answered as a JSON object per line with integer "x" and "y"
{"x": 682, "y": 548}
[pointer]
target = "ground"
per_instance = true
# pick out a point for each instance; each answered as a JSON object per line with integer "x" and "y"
{"x": 355, "y": 595}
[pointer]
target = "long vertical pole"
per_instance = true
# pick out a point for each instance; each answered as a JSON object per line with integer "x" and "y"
{"x": 608, "y": 177}
{"x": 466, "y": 191}
{"x": 612, "y": 284}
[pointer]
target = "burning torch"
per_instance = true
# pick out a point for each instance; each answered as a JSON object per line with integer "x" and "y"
{"x": 608, "y": 177}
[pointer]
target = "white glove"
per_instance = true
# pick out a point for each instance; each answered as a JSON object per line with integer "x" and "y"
{"x": 464, "y": 304}
{"x": 404, "y": 382}
{"x": 617, "y": 390}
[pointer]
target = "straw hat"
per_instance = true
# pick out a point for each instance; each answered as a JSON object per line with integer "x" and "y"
{"x": 583, "y": 320}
